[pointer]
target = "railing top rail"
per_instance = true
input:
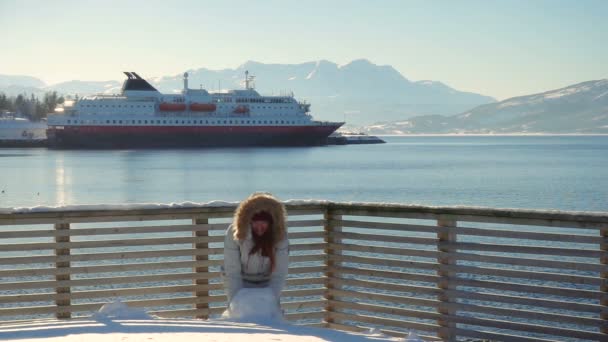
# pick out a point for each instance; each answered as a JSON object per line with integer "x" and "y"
{"x": 447, "y": 211}
{"x": 357, "y": 208}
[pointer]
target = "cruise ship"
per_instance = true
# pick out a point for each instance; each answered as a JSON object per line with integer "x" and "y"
{"x": 142, "y": 117}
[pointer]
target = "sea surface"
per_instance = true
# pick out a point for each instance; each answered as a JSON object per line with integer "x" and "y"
{"x": 542, "y": 172}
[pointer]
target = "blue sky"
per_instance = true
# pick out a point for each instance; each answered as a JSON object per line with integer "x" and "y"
{"x": 497, "y": 48}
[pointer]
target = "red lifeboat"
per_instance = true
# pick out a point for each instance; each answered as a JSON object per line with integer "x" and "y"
{"x": 202, "y": 107}
{"x": 172, "y": 107}
{"x": 241, "y": 109}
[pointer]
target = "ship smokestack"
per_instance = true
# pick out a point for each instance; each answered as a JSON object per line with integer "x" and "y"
{"x": 185, "y": 82}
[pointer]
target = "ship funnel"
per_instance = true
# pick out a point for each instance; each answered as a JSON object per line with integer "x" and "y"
{"x": 128, "y": 74}
{"x": 136, "y": 75}
{"x": 185, "y": 82}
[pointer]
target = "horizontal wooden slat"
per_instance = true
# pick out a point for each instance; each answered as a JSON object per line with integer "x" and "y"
{"x": 106, "y": 281}
{"x": 514, "y": 234}
{"x": 28, "y": 310}
{"x": 385, "y": 262}
{"x": 383, "y": 321}
{"x": 383, "y": 238}
{"x": 501, "y": 272}
{"x": 520, "y": 313}
{"x": 306, "y": 246}
{"x": 535, "y": 328}
{"x": 303, "y": 305}
{"x": 305, "y": 223}
{"x": 307, "y": 269}
{"x": 517, "y": 249}
{"x": 305, "y": 315}
{"x": 113, "y": 230}
{"x": 113, "y": 293}
{"x": 386, "y": 286}
{"x": 110, "y": 243}
{"x": 383, "y": 297}
{"x": 419, "y": 314}
{"x": 387, "y": 226}
{"x": 490, "y": 336}
{"x": 474, "y": 214}
{"x": 506, "y": 286}
{"x": 108, "y": 268}
{"x": 384, "y": 250}
{"x": 303, "y": 293}
{"x": 306, "y": 235}
{"x": 534, "y": 262}
{"x": 105, "y": 256}
{"x": 307, "y": 258}
{"x": 526, "y": 300}
{"x": 306, "y": 281}
{"x": 368, "y": 272}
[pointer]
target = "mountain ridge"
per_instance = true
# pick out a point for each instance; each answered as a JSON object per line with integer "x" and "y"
{"x": 578, "y": 108}
{"x": 360, "y": 91}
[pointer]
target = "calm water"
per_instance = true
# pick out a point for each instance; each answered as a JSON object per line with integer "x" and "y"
{"x": 524, "y": 172}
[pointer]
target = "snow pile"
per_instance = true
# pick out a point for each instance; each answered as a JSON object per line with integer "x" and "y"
{"x": 254, "y": 305}
{"x": 117, "y": 322}
{"x": 119, "y": 310}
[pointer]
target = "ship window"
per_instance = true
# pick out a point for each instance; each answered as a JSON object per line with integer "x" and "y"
{"x": 138, "y": 121}
{"x": 230, "y": 122}
{"x": 113, "y": 121}
{"x": 282, "y": 121}
{"x": 68, "y": 121}
{"x": 183, "y": 122}
{"x": 158, "y": 121}
{"x": 145, "y": 121}
{"x": 164, "y": 121}
{"x": 120, "y": 121}
{"x": 224, "y": 121}
{"x": 107, "y": 121}
{"x": 206, "y": 121}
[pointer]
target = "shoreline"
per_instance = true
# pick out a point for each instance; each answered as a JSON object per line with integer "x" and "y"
{"x": 488, "y": 134}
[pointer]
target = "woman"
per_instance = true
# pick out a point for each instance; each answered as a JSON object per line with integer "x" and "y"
{"x": 256, "y": 249}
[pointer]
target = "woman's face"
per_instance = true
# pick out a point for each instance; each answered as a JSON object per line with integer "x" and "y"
{"x": 259, "y": 227}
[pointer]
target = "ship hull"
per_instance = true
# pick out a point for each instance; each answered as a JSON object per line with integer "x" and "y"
{"x": 113, "y": 137}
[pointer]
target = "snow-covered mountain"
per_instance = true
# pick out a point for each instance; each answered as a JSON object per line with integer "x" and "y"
{"x": 20, "y": 80}
{"x": 579, "y": 108}
{"x": 86, "y": 87}
{"x": 359, "y": 92}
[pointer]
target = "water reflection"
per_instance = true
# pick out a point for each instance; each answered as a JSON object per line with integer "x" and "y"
{"x": 62, "y": 182}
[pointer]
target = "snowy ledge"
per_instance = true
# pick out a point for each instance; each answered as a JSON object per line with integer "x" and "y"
{"x": 546, "y": 214}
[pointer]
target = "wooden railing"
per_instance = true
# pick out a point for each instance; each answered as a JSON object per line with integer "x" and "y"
{"x": 445, "y": 272}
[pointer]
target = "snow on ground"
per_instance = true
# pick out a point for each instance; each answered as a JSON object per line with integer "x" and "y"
{"x": 252, "y": 317}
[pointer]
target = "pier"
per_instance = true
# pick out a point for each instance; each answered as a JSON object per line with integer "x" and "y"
{"x": 446, "y": 272}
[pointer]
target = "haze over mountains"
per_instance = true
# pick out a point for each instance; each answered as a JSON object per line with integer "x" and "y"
{"x": 380, "y": 100}
{"x": 360, "y": 92}
{"x": 580, "y": 108}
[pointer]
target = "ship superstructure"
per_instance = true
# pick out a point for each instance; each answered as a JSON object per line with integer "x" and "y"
{"x": 141, "y": 116}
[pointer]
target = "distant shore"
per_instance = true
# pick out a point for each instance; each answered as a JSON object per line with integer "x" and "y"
{"x": 487, "y": 134}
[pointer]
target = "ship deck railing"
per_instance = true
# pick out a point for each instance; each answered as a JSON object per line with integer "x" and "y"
{"x": 447, "y": 273}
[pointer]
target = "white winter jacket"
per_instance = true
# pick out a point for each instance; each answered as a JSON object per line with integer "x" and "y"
{"x": 244, "y": 270}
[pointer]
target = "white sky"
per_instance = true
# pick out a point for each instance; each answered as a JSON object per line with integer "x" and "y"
{"x": 501, "y": 49}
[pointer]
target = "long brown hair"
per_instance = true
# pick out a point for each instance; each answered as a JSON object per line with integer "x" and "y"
{"x": 265, "y": 242}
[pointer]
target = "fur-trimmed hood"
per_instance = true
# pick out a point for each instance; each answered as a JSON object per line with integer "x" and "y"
{"x": 254, "y": 204}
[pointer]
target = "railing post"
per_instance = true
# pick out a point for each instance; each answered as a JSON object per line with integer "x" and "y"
{"x": 330, "y": 226}
{"x": 604, "y": 276}
{"x": 63, "y": 291}
{"x": 446, "y": 236}
{"x": 200, "y": 270}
